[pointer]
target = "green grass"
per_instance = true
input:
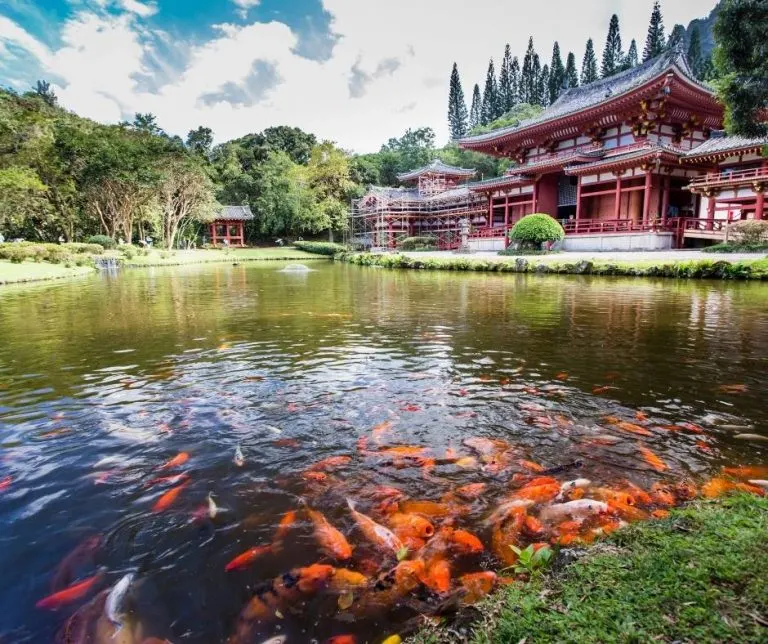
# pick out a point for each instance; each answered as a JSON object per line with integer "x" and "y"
{"x": 159, "y": 257}
{"x": 700, "y": 575}
{"x": 34, "y": 272}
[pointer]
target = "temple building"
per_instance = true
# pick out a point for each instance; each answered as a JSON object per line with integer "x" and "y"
{"x": 634, "y": 161}
{"x": 228, "y": 227}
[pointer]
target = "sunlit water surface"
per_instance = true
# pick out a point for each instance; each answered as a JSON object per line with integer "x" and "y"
{"x": 103, "y": 380}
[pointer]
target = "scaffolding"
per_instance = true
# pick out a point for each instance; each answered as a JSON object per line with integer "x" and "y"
{"x": 382, "y": 218}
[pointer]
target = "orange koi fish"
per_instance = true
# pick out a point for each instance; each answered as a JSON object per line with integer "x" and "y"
{"x": 5, "y": 483}
{"x": 562, "y": 376}
{"x": 375, "y": 532}
{"x": 641, "y": 416}
{"x": 176, "y": 461}
{"x": 639, "y": 495}
{"x": 733, "y": 389}
{"x": 168, "y": 480}
{"x": 628, "y": 512}
{"x": 247, "y": 558}
{"x": 362, "y": 445}
{"x": 344, "y": 580}
{"x": 654, "y": 461}
{"x": 391, "y": 588}
{"x": 438, "y": 576}
{"x": 471, "y": 491}
{"x": 632, "y": 428}
{"x": 317, "y": 477}
{"x": 403, "y": 451}
{"x": 662, "y": 495}
{"x": 286, "y": 442}
{"x": 411, "y": 525}
{"x": 69, "y": 595}
{"x": 746, "y": 472}
{"x": 538, "y": 493}
{"x": 533, "y": 527}
{"x": 486, "y": 446}
{"x": 341, "y": 639}
{"x": 329, "y": 538}
{"x": 286, "y": 523}
{"x": 603, "y": 389}
{"x": 380, "y": 431}
{"x": 169, "y": 498}
{"x": 506, "y": 534}
{"x": 477, "y": 585}
{"x": 427, "y": 508}
{"x": 530, "y": 465}
{"x": 330, "y": 463}
{"x": 465, "y": 542}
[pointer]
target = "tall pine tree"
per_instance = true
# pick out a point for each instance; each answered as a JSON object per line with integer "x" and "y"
{"x": 631, "y": 59}
{"x": 556, "y": 80}
{"x": 528, "y": 76}
{"x": 694, "y": 52}
{"x": 457, "y": 106}
{"x": 476, "y": 111}
{"x": 542, "y": 87}
{"x": 490, "y": 96}
{"x": 514, "y": 79}
{"x": 655, "y": 43}
{"x": 589, "y": 64}
{"x": 537, "y": 95}
{"x": 613, "y": 57}
{"x": 506, "y": 91}
{"x": 571, "y": 75}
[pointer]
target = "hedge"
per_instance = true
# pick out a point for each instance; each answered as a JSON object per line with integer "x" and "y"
{"x": 418, "y": 243}
{"x": 102, "y": 240}
{"x": 320, "y": 248}
{"x": 79, "y": 254}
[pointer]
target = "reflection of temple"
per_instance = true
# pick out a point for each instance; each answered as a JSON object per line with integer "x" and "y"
{"x": 630, "y": 161}
{"x": 434, "y": 201}
{"x": 229, "y": 225}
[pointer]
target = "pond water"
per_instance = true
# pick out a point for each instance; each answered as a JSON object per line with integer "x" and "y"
{"x": 104, "y": 380}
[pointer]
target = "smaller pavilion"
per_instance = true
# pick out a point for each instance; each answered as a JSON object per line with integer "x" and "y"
{"x": 229, "y": 225}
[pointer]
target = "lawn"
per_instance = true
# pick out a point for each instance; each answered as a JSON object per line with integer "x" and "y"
{"x": 699, "y": 576}
{"x": 33, "y": 271}
{"x": 177, "y": 257}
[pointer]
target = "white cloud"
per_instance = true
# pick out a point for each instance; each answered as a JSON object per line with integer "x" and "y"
{"x": 396, "y": 55}
{"x": 245, "y": 6}
{"x": 145, "y": 10}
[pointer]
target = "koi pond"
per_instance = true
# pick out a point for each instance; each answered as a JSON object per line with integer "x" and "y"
{"x": 236, "y": 454}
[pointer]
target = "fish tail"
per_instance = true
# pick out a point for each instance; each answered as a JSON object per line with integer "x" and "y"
{"x": 351, "y": 504}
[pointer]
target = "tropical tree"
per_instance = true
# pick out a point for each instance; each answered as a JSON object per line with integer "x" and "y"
{"x": 529, "y": 75}
{"x": 490, "y": 109}
{"x": 200, "y": 141}
{"x": 507, "y": 82}
{"x": 328, "y": 176}
{"x": 22, "y": 197}
{"x": 44, "y": 90}
{"x": 542, "y": 87}
{"x": 742, "y": 65}
{"x": 589, "y": 65}
{"x": 556, "y": 81}
{"x": 476, "y": 111}
{"x": 457, "y": 107}
{"x": 655, "y": 43}
{"x": 613, "y": 56}
{"x": 571, "y": 74}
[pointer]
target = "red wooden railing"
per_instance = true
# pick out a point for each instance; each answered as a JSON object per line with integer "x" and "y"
{"x": 598, "y": 226}
{"x": 484, "y": 233}
{"x": 728, "y": 177}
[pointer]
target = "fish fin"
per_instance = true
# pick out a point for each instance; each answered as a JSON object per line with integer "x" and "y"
{"x": 351, "y": 504}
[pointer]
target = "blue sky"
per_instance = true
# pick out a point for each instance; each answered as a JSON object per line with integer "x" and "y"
{"x": 353, "y": 71}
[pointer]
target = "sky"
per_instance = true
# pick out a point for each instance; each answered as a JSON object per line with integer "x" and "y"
{"x": 356, "y": 72}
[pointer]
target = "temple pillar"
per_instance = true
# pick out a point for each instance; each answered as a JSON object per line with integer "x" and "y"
{"x": 617, "y": 199}
{"x": 665, "y": 200}
{"x": 213, "y": 233}
{"x": 578, "y": 197}
{"x": 647, "y": 194}
{"x": 535, "y": 196}
{"x": 711, "y": 211}
{"x": 760, "y": 204}
{"x": 506, "y": 220}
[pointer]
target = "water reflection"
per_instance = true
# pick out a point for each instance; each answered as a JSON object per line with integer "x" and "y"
{"x": 104, "y": 380}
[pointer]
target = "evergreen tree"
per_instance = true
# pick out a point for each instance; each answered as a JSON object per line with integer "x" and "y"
{"x": 538, "y": 94}
{"x": 613, "y": 57}
{"x": 571, "y": 75}
{"x": 457, "y": 106}
{"x": 514, "y": 81}
{"x": 694, "y": 52}
{"x": 676, "y": 37}
{"x": 542, "y": 87}
{"x": 742, "y": 66}
{"x": 655, "y": 42}
{"x": 490, "y": 96}
{"x": 556, "y": 80}
{"x": 589, "y": 65}
{"x": 476, "y": 111}
{"x": 529, "y": 75}
{"x": 631, "y": 60}
{"x": 506, "y": 95}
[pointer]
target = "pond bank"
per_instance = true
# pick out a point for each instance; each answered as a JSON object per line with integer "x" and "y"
{"x": 30, "y": 272}
{"x": 697, "y": 576}
{"x": 562, "y": 264}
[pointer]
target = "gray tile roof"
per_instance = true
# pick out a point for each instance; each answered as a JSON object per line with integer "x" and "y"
{"x": 407, "y": 194}
{"x": 639, "y": 152}
{"x": 580, "y": 98}
{"x": 501, "y": 181}
{"x": 436, "y": 167}
{"x": 235, "y": 213}
{"x": 720, "y": 144}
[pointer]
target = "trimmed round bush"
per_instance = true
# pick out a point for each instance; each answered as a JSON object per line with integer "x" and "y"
{"x": 101, "y": 240}
{"x": 418, "y": 243}
{"x": 534, "y": 230}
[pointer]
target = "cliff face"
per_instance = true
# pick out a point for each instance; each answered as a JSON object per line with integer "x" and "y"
{"x": 706, "y": 26}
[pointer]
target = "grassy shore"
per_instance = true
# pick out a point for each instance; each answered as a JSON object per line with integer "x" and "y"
{"x": 713, "y": 269}
{"x": 37, "y": 272}
{"x": 701, "y": 575}
{"x": 158, "y": 257}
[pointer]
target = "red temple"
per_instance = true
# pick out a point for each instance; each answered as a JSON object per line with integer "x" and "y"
{"x": 634, "y": 161}
{"x": 229, "y": 225}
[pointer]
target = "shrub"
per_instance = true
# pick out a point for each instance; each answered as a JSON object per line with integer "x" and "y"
{"x": 82, "y": 249}
{"x": 129, "y": 252}
{"x": 534, "y": 230}
{"x": 16, "y": 255}
{"x": 418, "y": 243}
{"x": 102, "y": 240}
{"x": 750, "y": 233}
{"x": 320, "y": 248}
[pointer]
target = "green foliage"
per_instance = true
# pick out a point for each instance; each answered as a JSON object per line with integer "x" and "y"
{"x": 655, "y": 42}
{"x": 418, "y": 243}
{"x": 613, "y": 54}
{"x": 695, "y": 57}
{"x": 458, "y": 116}
{"x": 509, "y": 79}
{"x": 102, "y": 240}
{"x": 20, "y": 252}
{"x": 531, "y": 561}
{"x": 490, "y": 107}
{"x": 631, "y": 59}
{"x": 571, "y": 74}
{"x": 750, "y": 232}
{"x": 534, "y": 230}
{"x": 84, "y": 249}
{"x": 736, "y": 248}
{"x": 476, "y": 111}
{"x": 520, "y": 112}
{"x": 557, "y": 79}
{"x": 742, "y": 65}
{"x": 589, "y": 64}
{"x": 320, "y": 248}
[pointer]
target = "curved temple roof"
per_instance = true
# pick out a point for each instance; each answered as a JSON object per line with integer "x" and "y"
{"x": 436, "y": 167}
{"x": 578, "y": 99}
{"x": 719, "y": 146}
{"x": 234, "y": 213}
